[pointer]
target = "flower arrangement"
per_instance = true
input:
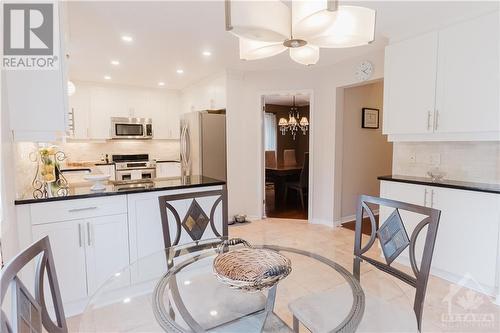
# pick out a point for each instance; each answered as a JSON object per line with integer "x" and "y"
{"x": 48, "y": 180}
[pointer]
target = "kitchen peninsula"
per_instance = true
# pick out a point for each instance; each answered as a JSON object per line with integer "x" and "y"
{"x": 94, "y": 234}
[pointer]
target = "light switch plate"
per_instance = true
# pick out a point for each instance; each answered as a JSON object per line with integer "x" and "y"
{"x": 435, "y": 159}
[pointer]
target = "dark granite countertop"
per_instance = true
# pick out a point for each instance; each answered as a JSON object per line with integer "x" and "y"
{"x": 454, "y": 184}
{"x": 82, "y": 190}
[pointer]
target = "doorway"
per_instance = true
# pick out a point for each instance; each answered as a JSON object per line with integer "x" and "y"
{"x": 366, "y": 152}
{"x": 286, "y": 136}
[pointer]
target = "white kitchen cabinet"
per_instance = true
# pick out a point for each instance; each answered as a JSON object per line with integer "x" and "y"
{"x": 89, "y": 240}
{"x": 79, "y": 113}
{"x": 36, "y": 100}
{"x": 467, "y": 97}
{"x": 409, "y": 86}
{"x": 168, "y": 169}
{"x": 468, "y": 230}
{"x": 106, "y": 248}
{"x": 443, "y": 86}
{"x": 66, "y": 241}
{"x": 93, "y": 106}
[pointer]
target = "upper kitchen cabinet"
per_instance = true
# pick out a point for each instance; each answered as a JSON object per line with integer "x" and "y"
{"x": 410, "y": 82}
{"x": 36, "y": 99}
{"x": 93, "y": 106}
{"x": 443, "y": 86}
{"x": 467, "y": 94}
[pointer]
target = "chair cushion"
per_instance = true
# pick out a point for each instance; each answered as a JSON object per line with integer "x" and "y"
{"x": 322, "y": 312}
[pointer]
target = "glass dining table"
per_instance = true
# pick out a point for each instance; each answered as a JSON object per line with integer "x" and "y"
{"x": 176, "y": 290}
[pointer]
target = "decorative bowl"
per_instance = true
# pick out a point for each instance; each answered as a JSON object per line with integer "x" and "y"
{"x": 249, "y": 269}
{"x": 98, "y": 181}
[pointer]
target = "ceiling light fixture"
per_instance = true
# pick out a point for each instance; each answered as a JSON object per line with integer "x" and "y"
{"x": 127, "y": 39}
{"x": 293, "y": 124}
{"x": 107, "y": 77}
{"x": 207, "y": 53}
{"x": 115, "y": 62}
{"x": 267, "y": 28}
{"x": 161, "y": 83}
{"x": 180, "y": 71}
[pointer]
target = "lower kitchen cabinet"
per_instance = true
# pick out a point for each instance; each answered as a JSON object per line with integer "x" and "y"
{"x": 467, "y": 241}
{"x": 86, "y": 252}
{"x": 66, "y": 241}
{"x": 106, "y": 248}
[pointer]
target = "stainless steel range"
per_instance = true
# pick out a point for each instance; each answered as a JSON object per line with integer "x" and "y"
{"x": 134, "y": 167}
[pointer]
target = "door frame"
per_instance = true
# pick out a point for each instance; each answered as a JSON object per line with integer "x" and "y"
{"x": 310, "y": 191}
{"x": 339, "y": 147}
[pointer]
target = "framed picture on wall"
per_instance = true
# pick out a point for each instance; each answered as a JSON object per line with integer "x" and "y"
{"x": 369, "y": 118}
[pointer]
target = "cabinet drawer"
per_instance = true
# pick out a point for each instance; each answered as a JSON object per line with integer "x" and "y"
{"x": 48, "y": 212}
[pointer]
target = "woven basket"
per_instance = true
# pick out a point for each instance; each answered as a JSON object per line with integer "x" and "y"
{"x": 248, "y": 268}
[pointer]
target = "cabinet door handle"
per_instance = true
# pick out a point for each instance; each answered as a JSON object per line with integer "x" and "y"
{"x": 80, "y": 234}
{"x": 429, "y": 120}
{"x": 432, "y": 198}
{"x": 88, "y": 234}
{"x": 436, "y": 120}
{"x": 81, "y": 209}
{"x": 425, "y": 198}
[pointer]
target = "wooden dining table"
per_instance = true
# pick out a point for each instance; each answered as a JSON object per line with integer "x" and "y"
{"x": 279, "y": 175}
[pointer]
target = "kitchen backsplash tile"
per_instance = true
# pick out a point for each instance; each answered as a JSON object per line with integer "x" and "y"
{"x": 467, "y": 161}
{"x": 91, "y": 152}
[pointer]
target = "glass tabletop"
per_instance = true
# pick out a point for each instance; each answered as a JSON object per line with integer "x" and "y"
{"x": 175, "y": 290}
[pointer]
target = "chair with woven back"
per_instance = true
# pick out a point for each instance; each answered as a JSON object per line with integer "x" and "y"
{"x": 29, "y": 312}
{"x": 393, "y": 240}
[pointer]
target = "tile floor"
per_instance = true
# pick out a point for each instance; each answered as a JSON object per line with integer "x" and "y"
{"x": 337, "y": 244}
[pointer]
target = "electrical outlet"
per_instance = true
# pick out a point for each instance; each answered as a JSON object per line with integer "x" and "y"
{"x": 435, "y": 159}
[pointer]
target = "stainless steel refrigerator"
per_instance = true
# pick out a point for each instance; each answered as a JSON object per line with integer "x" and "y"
{"x": 203, "y": 144}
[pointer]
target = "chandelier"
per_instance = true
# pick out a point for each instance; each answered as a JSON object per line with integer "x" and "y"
{"x": 292, "y": 124}
{"x": 268, "y": 28}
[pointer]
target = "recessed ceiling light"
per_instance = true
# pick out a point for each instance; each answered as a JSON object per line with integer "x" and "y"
{"x": 213, "y": 313}
{"x": 207, "y": 53}
{"x": 126, "y": 300}
{"x": 161, "y": 83}
{"x": 115, "y": 62}
{"x": 107, "y": 77}
{"x": 127, "y": 39}
{"x": 180, "y": 71}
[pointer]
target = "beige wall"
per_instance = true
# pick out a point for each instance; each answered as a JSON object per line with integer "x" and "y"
{"x": 366, "y": 152}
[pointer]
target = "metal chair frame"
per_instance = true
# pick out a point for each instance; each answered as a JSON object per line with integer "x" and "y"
{"x": 419, "y": 281}
{"x": 8, "y": 278}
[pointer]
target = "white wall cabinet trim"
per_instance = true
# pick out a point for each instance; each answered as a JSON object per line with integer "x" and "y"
{"x": 443, "y": 86}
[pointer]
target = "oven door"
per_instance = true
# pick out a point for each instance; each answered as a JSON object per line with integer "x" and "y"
{"x": 128, "y": 131}
{"x": 135, "y": 174}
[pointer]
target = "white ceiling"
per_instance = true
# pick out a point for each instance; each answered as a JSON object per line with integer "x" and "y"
{"x": 287, "y": 99}
{"x": 172, "y": 34}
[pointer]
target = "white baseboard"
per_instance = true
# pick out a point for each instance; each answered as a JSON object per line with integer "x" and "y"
{"x": 350, "y": 218}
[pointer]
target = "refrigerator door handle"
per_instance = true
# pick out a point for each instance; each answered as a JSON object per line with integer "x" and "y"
{"x": 183, "y": 145}
{"x": 188, "y": 147}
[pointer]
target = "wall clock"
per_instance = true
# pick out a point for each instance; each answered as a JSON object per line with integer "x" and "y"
{"x": 364, "y": 71}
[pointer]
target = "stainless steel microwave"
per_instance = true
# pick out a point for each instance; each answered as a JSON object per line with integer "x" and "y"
{"x": 131, "y": 128}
